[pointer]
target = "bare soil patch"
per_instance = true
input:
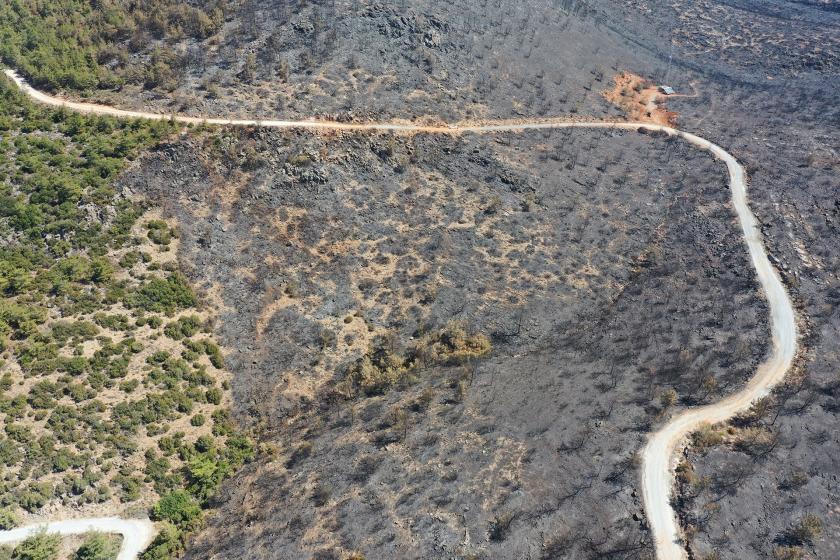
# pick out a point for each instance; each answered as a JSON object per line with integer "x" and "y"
{"x": 639, "y": 99}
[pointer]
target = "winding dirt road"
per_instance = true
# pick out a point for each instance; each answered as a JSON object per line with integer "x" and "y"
{"x": 659, "y": 455}
{"x": 136, "y": 533}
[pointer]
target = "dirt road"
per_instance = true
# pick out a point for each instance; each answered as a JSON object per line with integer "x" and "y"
{"x": 136, "y": 533}
{"x": 659, "y": 454}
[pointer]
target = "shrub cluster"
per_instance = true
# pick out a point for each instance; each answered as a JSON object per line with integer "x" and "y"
{"x": 91, "y": 398}
{"x": 86, "y": 44}
{"x": 382, "y": 367}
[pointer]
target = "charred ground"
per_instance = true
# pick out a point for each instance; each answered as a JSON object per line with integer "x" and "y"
{"x": 769, "y": 84}
{"x": 605, "y": 269}
{"x": 321, "y": 250}
{"x": 765, "y": 73}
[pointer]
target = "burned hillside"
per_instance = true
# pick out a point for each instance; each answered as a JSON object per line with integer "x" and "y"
{"x": 598, "y": 276}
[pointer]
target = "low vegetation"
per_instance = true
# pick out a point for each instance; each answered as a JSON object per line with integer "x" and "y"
{"x": 84, "y": 45}
{"x": 98, "y": 546}
{"x": 40, "y": 546}
{"x": 8, "y": 519}
{"x": 383, "y": 367}
{"x": 111, "y": 391}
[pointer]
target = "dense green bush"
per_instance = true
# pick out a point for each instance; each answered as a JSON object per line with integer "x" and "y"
{"x": 78, "y": 331}
{"x": 40, "y": 546}
{"x": 205, "y": 473}
{"x": 115, "y": 322}
{"x": 8, "y": 518}
{"x": 129, "y": 486}
{"x": 214, "y": 396}
{"x": 207, "y": 347}
{"x": 184, "y": 327}
{"x": 35, "y": 496}
{"x": 97, "y": 546}
{"x": 56, "y": 256}
{"x": 163, "y": 295}
{"x": 55, "y": 175}
{"x": 168, "y": 544}
{"x": 20, "y": 321}
{"x": 178, "y": 507}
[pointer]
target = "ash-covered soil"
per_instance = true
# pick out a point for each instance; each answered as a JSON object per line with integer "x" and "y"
{"x": 774, "y": 105}
{"x": 765, "y": 75}
{"x": 369, "y": 59}
{"x": 793, "y": 163}
{"x": 750, "y": 40}
{"x": 605, "y": 268}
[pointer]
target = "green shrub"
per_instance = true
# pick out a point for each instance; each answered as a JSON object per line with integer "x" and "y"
{"x": 204, "y": 474}
{"x": 78, "y": 392}
{"x": 178, "y": 507}
{"x": 75, "y": 365}
{"x": 20, "y": 320}
{"x": 215, "y": 354}
{"x": 129, "y": 386}
{"x": 222, "y": 423}
{"x": 240, "y": 449}
{"x": 158, "y": 232}
{"x": 214, "y": 396}
{"x": 163, "y": 295}
{"x": 184, "y": 327}
{"x": 101, "y": 270}
{"x": 204, "y": 444}
{"x": 65, "y": 331}
{"x": 43, "y": 394}
{"x": 115, "y": 322}
{"x": 8, "y": 518}
{"x": 40, "y": 546}
{"x": 129, "y": 259}
{"x": 168, "y": 544}
{"x": 154, "y": 322}
{"x": 97, "y": 546}
{"x": 130, "y": 487}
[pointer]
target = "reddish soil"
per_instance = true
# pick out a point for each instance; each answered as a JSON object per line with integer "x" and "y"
{"x": 639, "y": 99}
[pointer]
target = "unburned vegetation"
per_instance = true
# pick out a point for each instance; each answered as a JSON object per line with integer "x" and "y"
{"x": 112, "y": 390}
{"x": 84, "y": 45}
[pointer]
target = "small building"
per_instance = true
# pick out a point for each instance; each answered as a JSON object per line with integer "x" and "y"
{"x": 667, "y": 90}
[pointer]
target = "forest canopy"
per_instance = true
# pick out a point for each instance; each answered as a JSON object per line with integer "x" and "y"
{"x": 86, "y": 44}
